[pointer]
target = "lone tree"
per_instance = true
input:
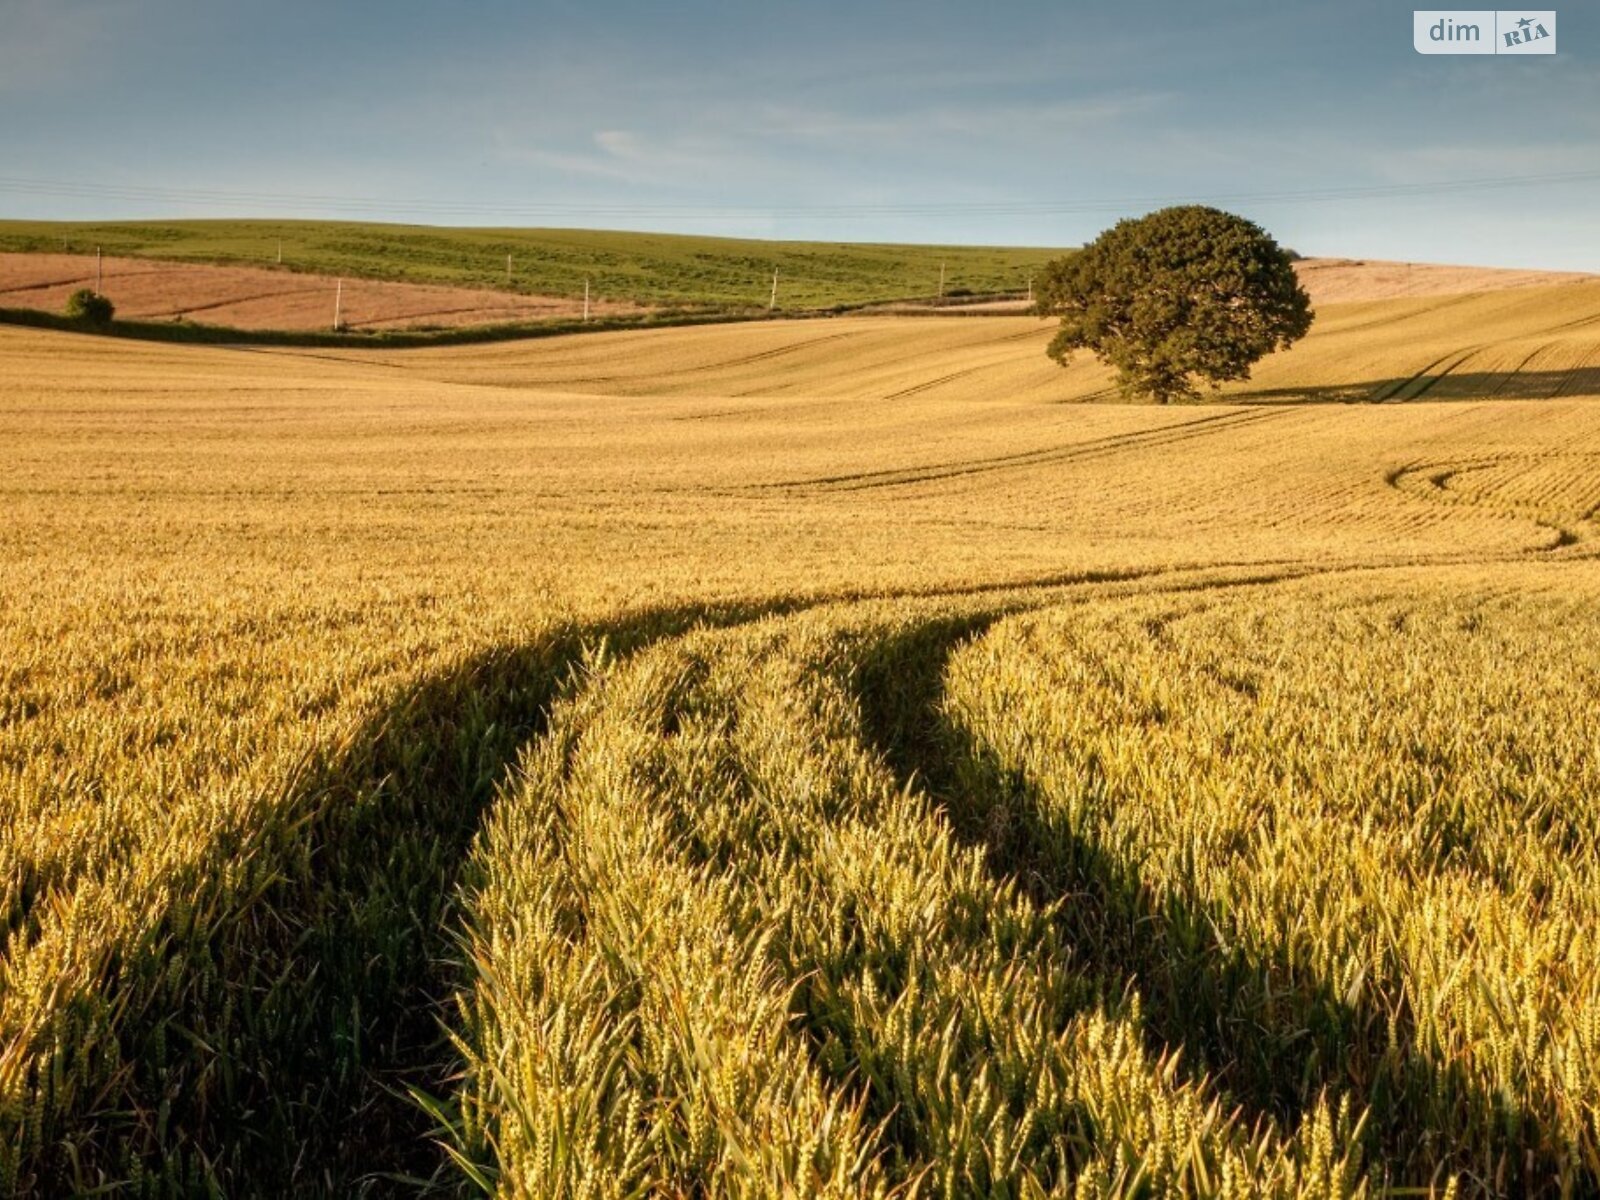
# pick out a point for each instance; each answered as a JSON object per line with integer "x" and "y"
{"x": 90, "y": 307}
{"x": 1184, "y": 293}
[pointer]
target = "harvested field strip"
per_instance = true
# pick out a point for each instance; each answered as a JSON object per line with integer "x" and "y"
{"x": 263, "y": 298}
{"x": 215, "y": 304}
{"x": 476, "y": 312}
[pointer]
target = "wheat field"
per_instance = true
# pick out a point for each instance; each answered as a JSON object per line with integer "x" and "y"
{"x": 821, "y": 758}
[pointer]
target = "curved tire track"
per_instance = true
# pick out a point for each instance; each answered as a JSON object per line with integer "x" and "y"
{"x": 1094, "y": 448}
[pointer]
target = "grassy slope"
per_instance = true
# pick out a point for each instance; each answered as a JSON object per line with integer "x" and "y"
{"x": 653, "y": 268}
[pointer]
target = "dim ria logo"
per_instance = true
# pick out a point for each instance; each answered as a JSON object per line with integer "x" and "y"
{"x": 1473, "y": 31}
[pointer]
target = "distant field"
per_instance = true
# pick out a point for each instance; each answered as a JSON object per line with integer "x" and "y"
{"x": 642, "y": 268}
{"x": 807, "y": 759}
{"x": 1334, "y": 280}
{"x": 1345, "y": 280}
{"x": 269, "y": 298}
{"x": 264, "y": 298}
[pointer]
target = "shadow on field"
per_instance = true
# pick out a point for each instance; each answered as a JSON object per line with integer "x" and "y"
{"x": 1437, "y": 382}
{"x": 267, "y": 1032}
{"x": 1272, "y": 1035}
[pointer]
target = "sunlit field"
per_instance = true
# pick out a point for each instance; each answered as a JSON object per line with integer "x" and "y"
{"x": 845, "y": 757}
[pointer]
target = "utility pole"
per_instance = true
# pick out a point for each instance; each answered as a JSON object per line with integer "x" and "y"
{"x": 772, "y": 304}
{"x": 585, "y": 299}
{"x": 338, "y": 304}
{"x": 97, "y": 271}
{"x": 508, "y": 270}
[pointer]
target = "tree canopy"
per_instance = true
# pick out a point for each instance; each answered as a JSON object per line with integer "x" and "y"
{"x": 90, "y": 307}
{"x": 1184, "y": 294}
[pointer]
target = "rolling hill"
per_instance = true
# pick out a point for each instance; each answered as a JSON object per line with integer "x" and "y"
{"x": 1520, "y": 342}
{"x": 643, "y": 268}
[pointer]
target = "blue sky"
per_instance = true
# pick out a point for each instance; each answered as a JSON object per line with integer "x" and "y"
{"x": 1020, "y": 122}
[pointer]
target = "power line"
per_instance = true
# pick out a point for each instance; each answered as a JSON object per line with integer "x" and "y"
{"x": 373, "y": 205}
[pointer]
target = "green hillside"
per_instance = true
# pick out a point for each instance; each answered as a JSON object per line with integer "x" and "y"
{"x": 651, "y": 268}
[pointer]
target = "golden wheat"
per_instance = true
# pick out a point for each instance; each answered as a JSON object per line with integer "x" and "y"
{"x": 802, "y": 759}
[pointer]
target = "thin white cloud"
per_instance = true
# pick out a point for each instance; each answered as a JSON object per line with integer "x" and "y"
{"x": 625, "y": 156}
{"x": 726, "y": 139}
{"x": 618, "y": 143}
{"x": 978, "y": 120}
